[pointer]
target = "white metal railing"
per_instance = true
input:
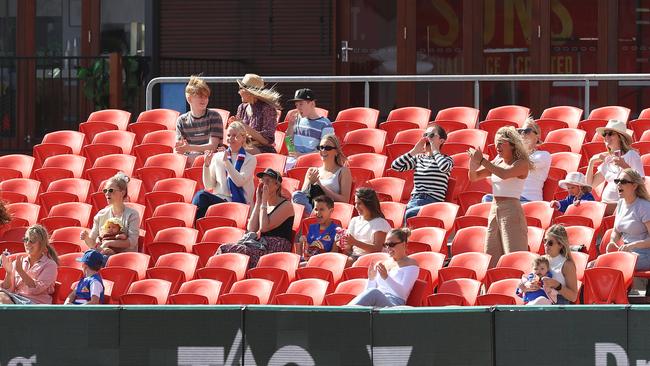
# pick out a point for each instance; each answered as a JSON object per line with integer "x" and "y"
{"x": 584, "y": 80}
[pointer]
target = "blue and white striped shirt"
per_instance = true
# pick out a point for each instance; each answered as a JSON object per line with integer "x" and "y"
{"x": 307, "y": 133}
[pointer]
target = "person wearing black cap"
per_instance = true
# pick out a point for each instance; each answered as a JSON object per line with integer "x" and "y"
{"x": 308, "y": 128}
{"x": 272, "y": 216}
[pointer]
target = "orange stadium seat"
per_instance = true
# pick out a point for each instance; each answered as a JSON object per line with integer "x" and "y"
{"x": 309, "y": 291}
{"x": 165, "y": 117}
{"x": 117, "y": 117}
{"x": 367, "y": 116}
{"x": 466, "y": 115}
{"x": 417, "y": 115}
{"x": 254, "y": 291}
{"x": 147, "y": 292}
{"x": 346, "y": 291}
{"x": 458, "y": 292}
{"x": 197, "y": 292}
{"x": 226, "y": 268}
{"x": 515, "y": 113}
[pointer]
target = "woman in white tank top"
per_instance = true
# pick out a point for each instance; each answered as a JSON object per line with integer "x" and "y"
{"x": 332, "y": 179}
{"x": 563, "y": 268}
{"x": 507, "y": 227}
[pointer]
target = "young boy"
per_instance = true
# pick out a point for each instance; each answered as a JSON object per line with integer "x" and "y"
{"x": 308, "y": 128}
{"x": 200, "y": 129}
{"x": 322, "y": 234}
{"x": 90, "y": 289}
{"x": 578, "y": 189}
{"x": 531, "y": 287}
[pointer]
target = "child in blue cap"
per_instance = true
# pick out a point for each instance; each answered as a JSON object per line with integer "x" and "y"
{"x": 90, "y": 289}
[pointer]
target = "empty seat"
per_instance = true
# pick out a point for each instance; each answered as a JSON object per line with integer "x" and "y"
{"x": 197, "y": 292}
{"x": 163, "y": 116}
{"x": 367, "y": 116}
{"x": 117, "y": 117}
{"x": 19, "y": 162}
{"x": 148, "y": 292}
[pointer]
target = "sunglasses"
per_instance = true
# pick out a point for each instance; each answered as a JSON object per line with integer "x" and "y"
{"x": 622, "y": 181}
{"x": 430, "y": 135}
{"x": 549, "y": 243}
{"x": 525, "y": 131}
{"x": 326, "y": 148}
{"x": 608, "y": 133}
{"x": 108, "y": 190}
{"x": 27, "y": 240}
{"x": 389, "y": 244}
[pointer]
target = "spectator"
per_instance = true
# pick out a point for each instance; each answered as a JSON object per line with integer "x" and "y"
{"x": 90, "y": 289}
{"x": 30, "y": 278}
{"x": 541, "y": 295}
{"x": 332, "y": 179}
{"x": 578, "y": 190}
{"x": 432, "y": 170}
{"x": 619, "y": 155}
{"x": 5, "y": 216}
{"x": 321, "y": 235}
{"x": 632, "y": 222}
{"x": 390, "y": 282}
{"x": 201, "y": 128}
{"x": 534, "y": 184}
{"x": 116, "y": 194}
{"x": 259, "y": 112}
{"x": 229, "y": 173}
{"x": 507, "y": 227}
{"x": 276, "y": 226}
{"x": 562, "y": 267}
{"x": 309, "y": 127}
{"x": 366, "y": 233}
{"x": 113, "y": 229}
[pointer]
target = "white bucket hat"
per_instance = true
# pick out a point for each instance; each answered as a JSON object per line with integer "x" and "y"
{"x": 616, "y": 126}
{"x": 576, "y": 178}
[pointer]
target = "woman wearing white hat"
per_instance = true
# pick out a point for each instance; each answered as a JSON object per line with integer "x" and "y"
{"x": 259, "y": 112}
{"x": 578, "y": 190}
{"x": 619, "y": 155}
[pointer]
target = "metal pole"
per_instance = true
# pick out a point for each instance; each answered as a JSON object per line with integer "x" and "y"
{"x": 366, "y": 94}
{"x": 587, "y": 102}
{"x": 477, "y": 96}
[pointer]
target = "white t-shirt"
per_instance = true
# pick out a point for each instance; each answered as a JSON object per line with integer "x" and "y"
{"x": 630, "y": 220}
{"x": 364, "y": 230}
{"x": 534, "y": 184}
{"x": 399, "y": 282}
{"x": 610, "y": 171}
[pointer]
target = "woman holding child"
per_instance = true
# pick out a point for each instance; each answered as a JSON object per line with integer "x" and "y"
{"x": 116, "y": 194}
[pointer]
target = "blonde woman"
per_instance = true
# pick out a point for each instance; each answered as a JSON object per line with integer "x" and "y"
{"x": 619, "y": 155}
{"x": 333, "y": 179}
{"x": 229, "y": 173}
{"x": 116, "y": 194}
{"x": 632, "y": 223}
{"x": 507, "y": 228}
{"x": 259, "y": 112}
{"x": 562, "y": 267}
{"x": 533, "y": 187}
{"x": 30, "y": 278}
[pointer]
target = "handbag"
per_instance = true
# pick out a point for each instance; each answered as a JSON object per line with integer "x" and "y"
{"x": 250, "y": 240}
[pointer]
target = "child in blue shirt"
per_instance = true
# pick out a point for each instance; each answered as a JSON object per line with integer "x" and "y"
{"x": 579, "y": 190}
{"x": 531, "y": 288}
{"x": 90, "y": 289}
{"x": 321, "y": 236}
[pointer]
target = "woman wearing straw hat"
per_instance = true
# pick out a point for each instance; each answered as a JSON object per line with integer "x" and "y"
{"x": 259, "y": 112}
{"x": 619, "y": 155}
{"x": 578, "y": 189}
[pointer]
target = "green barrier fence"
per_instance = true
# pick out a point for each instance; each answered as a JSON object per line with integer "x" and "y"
{"x": 273, "y": 335}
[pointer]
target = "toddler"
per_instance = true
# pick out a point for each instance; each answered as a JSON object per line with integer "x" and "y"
{"x": 578, "y": 190}
{"x": 90, "y": 289}
{"x": 111, "y": 230}
{"x": 532, "y": 289}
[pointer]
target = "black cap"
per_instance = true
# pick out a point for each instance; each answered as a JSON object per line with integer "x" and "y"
{"x": 303, "y": 94}
{"x": 271, "y": 173}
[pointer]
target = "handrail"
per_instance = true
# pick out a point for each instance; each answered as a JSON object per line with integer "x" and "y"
{"x": 367, "y": 79}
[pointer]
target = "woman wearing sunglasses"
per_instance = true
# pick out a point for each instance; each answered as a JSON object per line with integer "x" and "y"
{"x": 390, "y": 281}
{"x": 619, "y": 155}
{"x": 562, "y": 267}
{"x": 30, "y": 278}
{"x": 632, "y": 223}
{"x": 116, "y": 194}
{"x": 432, "y": 170}
{"x": 534, "y": 184}
{"x": 332, "y": 179}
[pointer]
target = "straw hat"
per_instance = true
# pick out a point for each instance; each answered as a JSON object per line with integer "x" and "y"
{"x": 616, "y": 126}
{"x": 576, "y": 178}
{"x": 254, "y": 84}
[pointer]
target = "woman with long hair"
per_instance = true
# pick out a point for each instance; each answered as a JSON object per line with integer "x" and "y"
{"x": 390, "y": 281}
{"x": 366, "y": 233}
{"x": 619, "y": 156}
{"x": 259, "y": 112}
{"x": 116, "y": 192}
{"x": 507, "y": 227}
{"x": 30, "y": 278}
{"x": 431, "y": 170}
{"x": 632, "y": 222}
{"x": 534, "y": 184}
{"x": 228, "y": 173}
{"x": 333, "y": 179}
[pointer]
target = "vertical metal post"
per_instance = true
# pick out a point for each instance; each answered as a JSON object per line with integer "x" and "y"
{"x": 366, "y": 94}
{"x": 477, "y": 97}
{"x": 587, "y": 102}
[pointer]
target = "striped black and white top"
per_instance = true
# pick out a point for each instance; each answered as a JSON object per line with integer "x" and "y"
{"x": 431, "y": 174}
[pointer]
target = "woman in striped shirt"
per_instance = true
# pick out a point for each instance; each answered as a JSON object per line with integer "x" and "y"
{"x": 432, "y": 170}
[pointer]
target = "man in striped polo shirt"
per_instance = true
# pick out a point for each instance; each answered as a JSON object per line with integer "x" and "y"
{"x": 200, "y": 129}
{"x": 308, "y": 128}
